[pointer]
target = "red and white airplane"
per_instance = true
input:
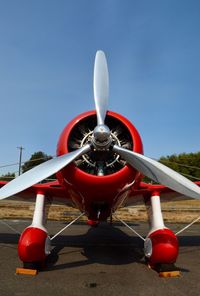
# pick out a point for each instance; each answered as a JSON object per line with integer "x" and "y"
{"x": 99, "y": 168}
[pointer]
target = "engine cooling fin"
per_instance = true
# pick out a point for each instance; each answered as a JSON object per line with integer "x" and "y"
{"x": 100, "y": 162}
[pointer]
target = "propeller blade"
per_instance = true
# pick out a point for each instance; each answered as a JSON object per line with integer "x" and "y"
{"x": 159, "y": 172}
{"x": 40, "y": 172}
{"x": 101, "y": 86}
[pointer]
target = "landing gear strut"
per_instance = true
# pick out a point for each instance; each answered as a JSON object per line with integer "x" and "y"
{"x": 34, "y": 244}
{"x": 161, "y": 244}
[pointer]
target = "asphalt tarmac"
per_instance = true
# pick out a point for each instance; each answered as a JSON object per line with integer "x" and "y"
{"x": 107, "y": 260}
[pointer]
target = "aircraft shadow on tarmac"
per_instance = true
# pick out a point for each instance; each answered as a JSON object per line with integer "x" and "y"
{"x": 104, "y": 244}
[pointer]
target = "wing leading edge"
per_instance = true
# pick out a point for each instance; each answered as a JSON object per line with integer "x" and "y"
{"x": 144, "y": 189}
{"x": 52, "y": 190}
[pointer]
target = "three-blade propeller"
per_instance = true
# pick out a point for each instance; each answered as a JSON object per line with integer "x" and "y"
{"x": 101, "y": 134}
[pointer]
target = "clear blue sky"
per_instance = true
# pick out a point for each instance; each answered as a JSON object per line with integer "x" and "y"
{"x": 47, "y": 51}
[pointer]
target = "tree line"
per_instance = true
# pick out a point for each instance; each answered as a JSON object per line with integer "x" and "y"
{"x": 35, "y": 159}
{"x": 187, "y": 164}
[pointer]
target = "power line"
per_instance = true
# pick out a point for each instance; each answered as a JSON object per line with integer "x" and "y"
{"x": 17, "y": 163}
{"x": 190, "y": 176}
{"x": 42, "y": 158}
{"x": 45, "y": 158}
{"x": 8, "y": 165}
{"x": 180, "y": 164}
{"x": 10, "y": 177}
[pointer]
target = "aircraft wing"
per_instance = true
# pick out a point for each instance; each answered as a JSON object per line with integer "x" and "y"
{"x": 52, "y": 190}
{"x": 166, "y": 194}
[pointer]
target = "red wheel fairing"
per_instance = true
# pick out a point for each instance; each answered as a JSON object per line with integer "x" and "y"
{"x": 31, "y": 246}
{"x": 163, "y": 247}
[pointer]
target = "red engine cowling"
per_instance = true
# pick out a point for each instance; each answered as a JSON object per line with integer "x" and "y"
{"x": 95, "y": 180}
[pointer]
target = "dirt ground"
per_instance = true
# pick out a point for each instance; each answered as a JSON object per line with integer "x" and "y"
{"x": 176, "y": 212}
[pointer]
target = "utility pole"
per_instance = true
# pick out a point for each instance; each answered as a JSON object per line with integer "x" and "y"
{"x": 20, "y": 159}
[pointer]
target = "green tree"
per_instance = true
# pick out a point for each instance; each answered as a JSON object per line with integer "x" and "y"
{"x": 36, "y": 159}
{"x": 187, "y": 164}
{"x": 7, "y": 177}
